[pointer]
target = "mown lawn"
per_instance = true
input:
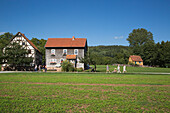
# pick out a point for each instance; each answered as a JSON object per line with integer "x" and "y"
{"x": 102, "y": 68}
{"x": 45, "y": 92}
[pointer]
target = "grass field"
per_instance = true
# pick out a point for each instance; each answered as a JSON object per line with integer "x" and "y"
{"x": 71, "y": 92}
{"x": 102, "y": 68}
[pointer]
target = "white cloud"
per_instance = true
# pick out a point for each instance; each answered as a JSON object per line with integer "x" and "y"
{"x": 118, "y": 37}
{"x": 1, "y": 33}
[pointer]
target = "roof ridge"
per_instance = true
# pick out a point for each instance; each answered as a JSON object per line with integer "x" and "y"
{"x": 66, "y": 42}
{"x": 27, "y": 40}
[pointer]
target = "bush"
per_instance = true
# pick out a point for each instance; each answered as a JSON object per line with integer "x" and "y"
{"x": 79, "y": 69}
{"x": 71, "y": 69}
{"x": 167, "y": 65}
{"x": 67, "y": 66}
{"x": 131, "y": 64}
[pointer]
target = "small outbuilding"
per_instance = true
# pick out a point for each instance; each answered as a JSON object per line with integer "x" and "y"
{"x": 136, "y": 60}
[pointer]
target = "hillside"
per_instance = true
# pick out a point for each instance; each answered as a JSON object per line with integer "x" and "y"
{"x": 110, "y": 54}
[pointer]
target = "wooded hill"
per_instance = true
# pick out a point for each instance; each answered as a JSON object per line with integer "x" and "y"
{"x": 110, "y": 54}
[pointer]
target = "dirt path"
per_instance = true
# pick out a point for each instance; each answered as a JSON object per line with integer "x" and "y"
{"x": 142, "y": 85}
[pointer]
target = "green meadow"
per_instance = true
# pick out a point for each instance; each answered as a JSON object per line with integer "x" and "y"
{"x": 102, "y": 68}
{"x": 82, "y": 92}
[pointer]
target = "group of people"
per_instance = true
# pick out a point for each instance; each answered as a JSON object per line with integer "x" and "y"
{"x": 116, "y": 70}
{"x": 38, "y": 68}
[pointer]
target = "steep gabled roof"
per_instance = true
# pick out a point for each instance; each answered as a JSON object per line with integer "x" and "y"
{"x": 136, "y": 58}
{"x": 66, "y": 42}
{"x": 27, "y": 41}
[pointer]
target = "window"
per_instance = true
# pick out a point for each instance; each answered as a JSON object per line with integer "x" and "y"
{"x": 29, "y": 51}
{"x": 135, "y": 62}
{"x": 53, "y": 61}
{"x": 23, "y": 43}
{"x": 76, "y": 51}
{"x": 52, "y": 51}
{"x": 64, "y": 51}
{"x": 61, "y": 60}
{"x": 139, "y": 62}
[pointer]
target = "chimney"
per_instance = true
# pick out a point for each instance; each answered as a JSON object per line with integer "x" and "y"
{"x": 73, "y": 38}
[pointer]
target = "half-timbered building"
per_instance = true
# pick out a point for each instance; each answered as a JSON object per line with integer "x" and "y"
{"x": 33, "y": 51}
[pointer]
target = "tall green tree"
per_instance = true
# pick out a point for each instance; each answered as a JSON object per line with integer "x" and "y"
{"x": 89, "y": 58}
{"x": 163, "y": 54}
{"x": 139, "y": 37}
{"x": 149, "y": 53}
{"x": 4, "y": 40}
{"x": 15, "y": 55}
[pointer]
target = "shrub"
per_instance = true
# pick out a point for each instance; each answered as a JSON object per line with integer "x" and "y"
{"x": 71, "y": 68}
{"x": 79, "y": 69}
{"x": 67, "y": 66}
{"x": 131, "y": 64}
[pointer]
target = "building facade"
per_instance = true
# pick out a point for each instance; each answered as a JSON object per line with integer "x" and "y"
{"x": 60, "y": 49}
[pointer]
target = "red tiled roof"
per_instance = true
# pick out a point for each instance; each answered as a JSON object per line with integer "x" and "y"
{"x": 27, "y": 41}
{"x": 136, "y": 58}
{"x": 71, "y": 57}
{"x": 66, "y": 42}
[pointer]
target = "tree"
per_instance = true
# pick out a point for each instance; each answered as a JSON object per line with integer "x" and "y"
{"x": 4, "y": 40}
{"x": 163, "y": 54}
{"x": 15, "y": 55}
{"x": 149, "y": 53}
{"x": 40, "y": 45}
{"x": 89, "y": 58}
{"x": 139, "y": 37}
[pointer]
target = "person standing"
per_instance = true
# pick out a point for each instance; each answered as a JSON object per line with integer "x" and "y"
{"x": 118, "y": 69}
{"x": 107, "y": 68}
{"x": 39, "y": 68}
{"x": 95, "y": 68}
{"x": 45, "y": 68}
{"x": 124, "y": 69}
{"x": 35, "y": 67}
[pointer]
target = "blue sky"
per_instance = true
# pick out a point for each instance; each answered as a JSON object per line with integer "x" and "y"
{"x": 102, "y": 22}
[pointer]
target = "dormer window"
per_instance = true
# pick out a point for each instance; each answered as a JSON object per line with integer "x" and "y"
{"x": 64, "y": 52}
{"x": 75, "y": 51}
{"x": 52, "y": 51}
